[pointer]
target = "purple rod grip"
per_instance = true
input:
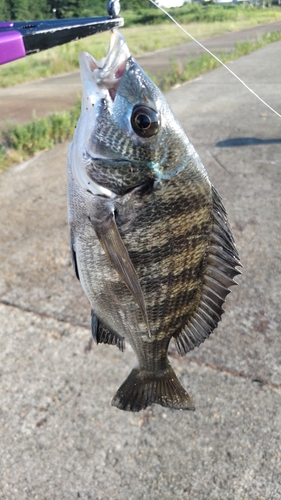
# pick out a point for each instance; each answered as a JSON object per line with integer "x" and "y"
{"x": 11, "y": 46}
{"x": 6, "y": 24}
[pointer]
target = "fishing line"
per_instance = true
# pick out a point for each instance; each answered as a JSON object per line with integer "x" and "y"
{"x": 217, "y": 58}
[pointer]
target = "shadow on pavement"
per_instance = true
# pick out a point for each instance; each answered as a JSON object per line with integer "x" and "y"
{"x": 245, "y": 141}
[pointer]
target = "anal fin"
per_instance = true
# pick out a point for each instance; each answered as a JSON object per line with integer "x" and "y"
{"x": 102, "y": 335}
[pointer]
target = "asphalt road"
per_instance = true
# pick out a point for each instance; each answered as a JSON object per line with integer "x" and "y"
{"x": 42, "y": 97}
{"x": 59, "y": 436}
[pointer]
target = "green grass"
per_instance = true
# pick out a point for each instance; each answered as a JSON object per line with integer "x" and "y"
{"x": 199, "y": 13}
{"x": 201, "y": 21}
{"x": 23, "y": 141}
{"x": 194, "y": 67}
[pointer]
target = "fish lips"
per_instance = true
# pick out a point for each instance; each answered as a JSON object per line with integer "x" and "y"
{"x": 101, "y": 79}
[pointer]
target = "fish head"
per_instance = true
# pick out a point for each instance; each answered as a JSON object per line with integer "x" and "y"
{"x": 127, "y": 134}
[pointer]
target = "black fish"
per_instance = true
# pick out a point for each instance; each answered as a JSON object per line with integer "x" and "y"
{"x": 150, "y": 240}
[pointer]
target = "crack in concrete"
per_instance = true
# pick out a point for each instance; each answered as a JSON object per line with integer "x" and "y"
{"x": 226, "y": 369}
{"x": 41, "y": 314}
{"x": 52, "y": 411}
{"x": 220, "y": 164}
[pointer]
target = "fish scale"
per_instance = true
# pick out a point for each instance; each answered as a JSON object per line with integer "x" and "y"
{"x": 182, "y": 269}
{"x": 150, "y": 240}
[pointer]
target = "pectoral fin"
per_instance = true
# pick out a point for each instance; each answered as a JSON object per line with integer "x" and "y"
{"x": 113, "y": 246}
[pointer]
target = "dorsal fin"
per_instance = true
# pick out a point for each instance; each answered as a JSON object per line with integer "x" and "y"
{"x": 220, "y": 271}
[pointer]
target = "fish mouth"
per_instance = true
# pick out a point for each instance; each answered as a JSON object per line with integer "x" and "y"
{"x": 107, "y": 73}
{"x": 100, "y": 82}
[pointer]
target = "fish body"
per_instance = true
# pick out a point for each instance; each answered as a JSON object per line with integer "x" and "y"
{"x": 149, "y": 235}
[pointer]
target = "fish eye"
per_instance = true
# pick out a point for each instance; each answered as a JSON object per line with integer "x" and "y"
{"x": 145, "y": 121}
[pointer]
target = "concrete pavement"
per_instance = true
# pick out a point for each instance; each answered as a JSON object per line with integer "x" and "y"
{"x": 60, "y": 438}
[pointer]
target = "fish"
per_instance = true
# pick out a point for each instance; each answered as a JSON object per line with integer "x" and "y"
{"x": 149, "y": 235}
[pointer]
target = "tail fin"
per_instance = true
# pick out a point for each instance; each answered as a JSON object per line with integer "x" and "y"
{"x": 142, "y": 388}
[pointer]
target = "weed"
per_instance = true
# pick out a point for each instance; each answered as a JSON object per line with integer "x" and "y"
{"x": 22, "y": 141}
{"x": 195, "y": 67}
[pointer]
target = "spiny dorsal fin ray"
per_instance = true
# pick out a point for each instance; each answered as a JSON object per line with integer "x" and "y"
{"x": 221, "y": 263}
{"x": 230, "y": 259}
{"x": 212, "y": 308}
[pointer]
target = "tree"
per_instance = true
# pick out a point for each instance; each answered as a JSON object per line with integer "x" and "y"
{"x": 77, "y": 8}
{"x": 135, "y": 4}
{"x": 5, "y": 14}
{"x": 20, "y": 10}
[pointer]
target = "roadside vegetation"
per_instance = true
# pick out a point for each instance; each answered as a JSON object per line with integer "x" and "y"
{"x": 179, "y": 74}
{"x": 202, "y": 13}
{"x": 22, "y": 141}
